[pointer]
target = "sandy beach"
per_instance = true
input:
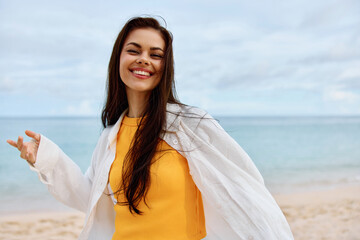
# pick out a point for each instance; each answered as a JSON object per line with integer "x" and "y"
{"x": 326, "y": 214}
{"x": 323, "y": 215}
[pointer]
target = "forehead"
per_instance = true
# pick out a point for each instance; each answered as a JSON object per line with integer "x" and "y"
{"x": 146, "y": 37}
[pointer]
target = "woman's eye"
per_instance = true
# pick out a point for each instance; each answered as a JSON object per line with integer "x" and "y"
{"x": 156, "y": 55}
{"x": 132, "y": 51}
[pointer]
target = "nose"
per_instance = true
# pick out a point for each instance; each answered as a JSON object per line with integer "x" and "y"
{"x": 142, "y": 60}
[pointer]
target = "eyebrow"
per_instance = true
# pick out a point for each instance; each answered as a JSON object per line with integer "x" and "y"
{"x": 139, "y": 46}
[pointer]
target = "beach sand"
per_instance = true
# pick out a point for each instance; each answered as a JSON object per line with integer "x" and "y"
{"x": 326, "y": 214}
{"x": 323, "y": 215}
{"x": 41, "y": 226}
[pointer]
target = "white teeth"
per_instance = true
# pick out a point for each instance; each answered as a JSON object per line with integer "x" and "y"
{"x": 141, "y": 73}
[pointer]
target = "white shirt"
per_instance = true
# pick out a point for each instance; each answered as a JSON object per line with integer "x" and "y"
{"x": 237, "y": 204}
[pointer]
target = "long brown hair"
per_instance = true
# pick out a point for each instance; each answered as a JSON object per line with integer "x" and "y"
{"x": 136, "y": 169}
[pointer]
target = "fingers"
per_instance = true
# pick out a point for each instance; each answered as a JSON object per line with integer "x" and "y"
{"x": 33, "y": 135}
{"x": 12, "y": 143}
{"x": 24, "y": 153}
{"x": 17, "y": 144}
{"x": 20, "y": 142}
{"x": 28, "y": 150}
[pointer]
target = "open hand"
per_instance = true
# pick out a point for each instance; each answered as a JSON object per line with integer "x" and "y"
{"x": 28, "y": 150}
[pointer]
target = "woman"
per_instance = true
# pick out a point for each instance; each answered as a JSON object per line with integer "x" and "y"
{"x": 161, "y": 169}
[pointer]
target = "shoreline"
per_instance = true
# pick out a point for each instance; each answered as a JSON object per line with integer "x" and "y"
{"x": 322, "y": 214}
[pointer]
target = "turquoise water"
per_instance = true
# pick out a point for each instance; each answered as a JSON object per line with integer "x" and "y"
{"x": 292, "y": 153}
{"x": 301, "y": 153}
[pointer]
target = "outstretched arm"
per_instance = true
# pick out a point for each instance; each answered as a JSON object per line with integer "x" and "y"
{"x": 62, "y": 176}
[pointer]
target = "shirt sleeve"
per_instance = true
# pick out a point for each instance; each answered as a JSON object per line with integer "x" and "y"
{"x": 63, "y": 177}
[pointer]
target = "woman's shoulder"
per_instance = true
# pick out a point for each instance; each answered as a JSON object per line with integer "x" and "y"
{"x": 184, "y": 110}
{"x": 191, "y": 116}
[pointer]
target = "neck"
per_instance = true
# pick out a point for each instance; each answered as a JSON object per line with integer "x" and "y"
{"x": 137, "y": 102}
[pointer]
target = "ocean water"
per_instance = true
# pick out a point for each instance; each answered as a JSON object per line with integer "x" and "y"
{"x": 292, "y": 153}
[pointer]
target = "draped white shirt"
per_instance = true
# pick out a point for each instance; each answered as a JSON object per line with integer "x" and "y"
{"x": 237, "y": 205}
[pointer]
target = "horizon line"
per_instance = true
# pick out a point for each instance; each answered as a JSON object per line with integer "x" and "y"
{"x": 215, "y": 116}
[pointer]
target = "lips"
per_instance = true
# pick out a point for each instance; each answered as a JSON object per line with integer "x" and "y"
{"x": 142, "y": 72}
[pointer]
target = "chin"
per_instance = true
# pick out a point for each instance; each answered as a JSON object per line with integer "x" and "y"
{"x": 140, "y": 89}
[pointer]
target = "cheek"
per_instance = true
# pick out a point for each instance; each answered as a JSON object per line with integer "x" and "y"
{"x": 159, "y": 68}
{"x": 123, "y": 66}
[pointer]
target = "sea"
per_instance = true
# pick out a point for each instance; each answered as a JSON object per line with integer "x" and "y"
{"x": 293, "y": 154}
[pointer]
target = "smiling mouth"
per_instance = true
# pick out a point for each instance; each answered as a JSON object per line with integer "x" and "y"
{"x": 141, "y": 72}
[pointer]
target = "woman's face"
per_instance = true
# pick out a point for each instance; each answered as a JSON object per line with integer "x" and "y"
{"x": 141, "y": 60}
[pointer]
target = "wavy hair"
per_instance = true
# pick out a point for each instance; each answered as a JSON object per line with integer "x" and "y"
{"x": 136, "y": 169}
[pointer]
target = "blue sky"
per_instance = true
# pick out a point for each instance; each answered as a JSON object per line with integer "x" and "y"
{"x": 245, "y": 58}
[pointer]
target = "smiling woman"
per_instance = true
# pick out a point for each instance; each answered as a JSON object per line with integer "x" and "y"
{"x": 161, "y": 169}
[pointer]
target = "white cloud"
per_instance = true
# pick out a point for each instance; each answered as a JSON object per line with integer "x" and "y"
{"x": 7, "y": 84}
{"x": 85, "y": 107}
{"x": 340, "y": 95}
{"x": 351, "y": 72}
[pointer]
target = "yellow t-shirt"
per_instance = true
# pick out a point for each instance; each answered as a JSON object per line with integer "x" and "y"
{"x": 175, "y": 204}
